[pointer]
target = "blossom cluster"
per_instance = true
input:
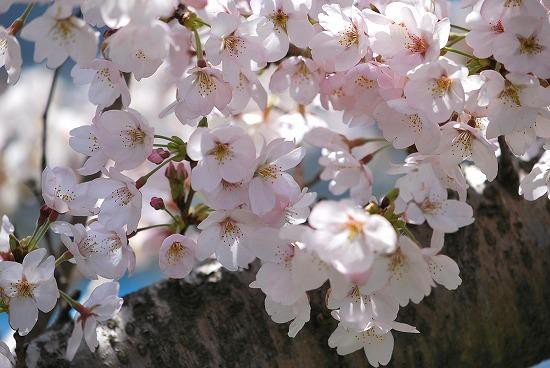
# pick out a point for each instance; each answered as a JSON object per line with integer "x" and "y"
{"x": 442, "y": 93}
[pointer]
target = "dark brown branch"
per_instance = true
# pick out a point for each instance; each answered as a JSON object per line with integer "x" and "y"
{"x": 498, "y": 317}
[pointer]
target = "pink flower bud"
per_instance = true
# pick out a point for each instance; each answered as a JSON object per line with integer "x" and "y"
{"x": 157, "y": 203}
{"x": 158, "y": 155}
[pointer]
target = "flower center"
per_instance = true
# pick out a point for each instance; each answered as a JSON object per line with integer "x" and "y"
{"x": 231, "y": 232}
{"x": 349, "y": 37}
{"x": 512, "y": 3}
{"x": 104, "y": 75}
{"x": 175, "y": 252}
{"x": 122, "y": 196}
{"x": 140, "y": 55}
{"x": 221, "y": 151}
{"x": 279, "y": 19}
{"x": 415, "y": 122}
{"x": 510, "y": 95}
{"x": 354, "y": 228}
{"x": 364, "y": 82}
{"x": 529, "y": 45}
{"x": 441, "y": 86}
{"x": 24, "y": 288}
{"x": 134, "y": 136}
{"x": 397, "y": 261}
{"x": 3, "y": 46}
{"x": 429, "y": 206}
{"x": 206, "y": 84}
{"x": 63, "y": 30}
{"x": 66, "y": 196}
{"x": 233, "y": 44}
{"x": 268, "y": 172}
{"x": 497, "y": 27}
{"x": 417, "y": 44}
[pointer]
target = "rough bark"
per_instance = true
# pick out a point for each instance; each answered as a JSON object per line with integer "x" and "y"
{"x": 498, "y": 317}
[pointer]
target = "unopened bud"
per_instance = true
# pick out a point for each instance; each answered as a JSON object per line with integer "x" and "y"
{"x": 201, "y": 63}
{"x": 158, "y": 155}
{"x": 157, "y": 203}
{"x": 170, "y": 171}
{"x": 47, "y": 213}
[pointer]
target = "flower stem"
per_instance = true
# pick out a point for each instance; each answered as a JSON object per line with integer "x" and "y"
{"x": 64, "y": 257}
{"x": 151, "y": 227}
{"x": 456, "y": 40}
{"x": 459, "y": 27}
{"x": 450, "y": 49}
{"x": 165, "y": 137}
{"x": 171, "y": 215}
{"x": 198, "y": 46}
{"x": 17, "y": 24}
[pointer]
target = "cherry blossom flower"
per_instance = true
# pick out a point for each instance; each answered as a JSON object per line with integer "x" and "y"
{"x": 30, "y": 286}
{"x": 177, "y": 256}
{"x": 85, "y": 140}
{"x": 57, "y": 35}
{"x": 536, "y": 184}
{"x": 198, "y": 94}
{"x": 226, "y": 234}
{"x": 443, "y": 269}
{"x": 361, "y": 83}
{"x": 404, "y": 126}
{"x": 248, "y": 87}
{"x": 270, "y": 180}
{"x": 225, "y": 153}
{"x": 431, "y": 204}
{"x": 461, "y": 142}
{"x": 97, "y": 251}
{"x": 10, "y": 55}
{"x": 435, "y": 88}
{"x": 293, "y": 210}
{"x": 122, "y": 201}
{"x": 180, "y": 52}
{"x": 227, "y": 196}
{"x": 7, "y": 359}
{"x": 404, "y": 273}
{"x": 298, "y": 313}
{"x": 483, "y": 33}
{"x": 140, "y": 48}
{"x": 413, "y": 37}
{"x": 106, "y": 82}
{"x": 514, "y": 103}
{"x": 300, "y": 76}
{"x": 232, "y": 44}
{"x": 348, "y": 237}
{"x": 124, "y": 137}
{"x": 6, "y": 229}
{"x": 344, "y": 40}
{"x": 355, "y": 309}
{"x": 377, "y": 341}
{"x": 287, "y": 271}
{"x": 512, "y": 9}
{"x": 102, "y": 305}
{"x": 62, "y": 192}
{"x": 279, "y": 23}
{"x": 524, "y": 47}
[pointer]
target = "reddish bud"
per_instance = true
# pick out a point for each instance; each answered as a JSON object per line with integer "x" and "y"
{"x": 158, "y": 155}
{"x": 201, "y": 63}
{"x": 141, "y": 182}
{"x": 47, "y": 213}
{"x": 170, "y": 171}
{"x": 157, "y": 203}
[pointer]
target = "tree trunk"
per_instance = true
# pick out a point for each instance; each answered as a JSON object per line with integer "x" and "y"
{"x": 499, "y": 316}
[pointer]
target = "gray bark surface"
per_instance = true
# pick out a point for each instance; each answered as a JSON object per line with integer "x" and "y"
{"x": 499, "y": 316}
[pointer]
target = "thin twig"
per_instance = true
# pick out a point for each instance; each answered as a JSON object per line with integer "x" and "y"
{"x": 45, "y": 119}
